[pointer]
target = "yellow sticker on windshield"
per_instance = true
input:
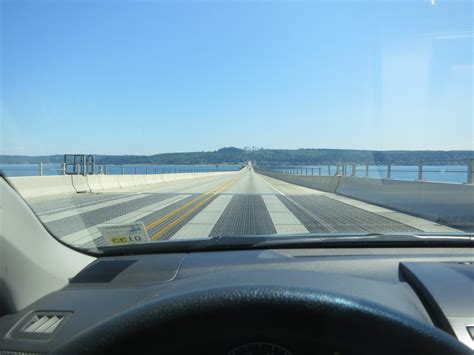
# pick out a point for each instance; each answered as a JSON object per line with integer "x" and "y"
{"x": 119, "y": 240}
{"x": 129, "y": 233}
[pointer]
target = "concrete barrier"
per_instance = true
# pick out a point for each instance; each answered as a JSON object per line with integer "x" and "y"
{"x": 451, "y": 204}
{"x": 152, "y": 179}
{"x": 322, "y": 183}
{"x": 395, "y": 194}
{"x": 94, "y": 183}
{"x": 169, "y": 177}
{"x": 109, "y": 182}
{"x": 139, "y": 180}
{"x": 126, "y": 181}
{"x": 445, "y": 203}
{"x": 79, "y": 183}
{"x": 39, "y": 186}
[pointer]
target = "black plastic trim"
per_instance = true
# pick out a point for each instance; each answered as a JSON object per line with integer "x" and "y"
{"x": 432, "y": 307}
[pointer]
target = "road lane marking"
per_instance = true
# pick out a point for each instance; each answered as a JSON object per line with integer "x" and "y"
{"x": 88, "y": 234}
{"x": 201, "y": 225}
{"x": 320, "y": 220}
{"x": 283, "y": 219}
{"x": 57, "y": 210}
{"x": 198, "y": 203}
{"x": 406, "y": 219}
{"x": 56, "y": 216}
{"x": 177, "y": 210}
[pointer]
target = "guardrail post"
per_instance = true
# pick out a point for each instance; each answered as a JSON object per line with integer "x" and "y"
{"x": 319, "y": 171}
{"x": 41, "y": 168}
{"x": 470, "y": 171}
{"x": 105, "y": 169}
{"x": 123, "y": 169}
{"x": 101, "y": 169}
{"x": 354, "y": 167}
{"x": 367, "y": 170}
{"x": 63, "y": 168}
{"x": 306, "y": 173}
{"x": 389, "y": 170}
{"x": 420, "y": 170}
{"x": 78, "y": 169}
{"x": 312, "y": 171}
{"x": 329, "y": 170}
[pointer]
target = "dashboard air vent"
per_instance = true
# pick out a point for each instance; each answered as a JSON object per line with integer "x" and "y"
{"x": 40, "y": 324}
{"x": 43, "y": 323}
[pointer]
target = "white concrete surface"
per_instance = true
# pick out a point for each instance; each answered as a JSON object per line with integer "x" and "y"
{"x": 448, "y": 203}
{"x": 283, "y": 220}
{"x": 39, "y": 186}
{"x": 415, "y": 222}
{"x": 89, "y": 234}
{"x": 93, "y": 181}
{"x": 44, "y": 186}
{"x": 72, "y": 211}
{"x": 80, "y": 184}
{"x": 201, "y": 225}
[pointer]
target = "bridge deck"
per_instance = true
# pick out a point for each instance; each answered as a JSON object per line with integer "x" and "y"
{"x": 245, "y": 203}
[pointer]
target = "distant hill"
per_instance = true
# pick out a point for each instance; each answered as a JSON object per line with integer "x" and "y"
{"x": 232, "y": 155}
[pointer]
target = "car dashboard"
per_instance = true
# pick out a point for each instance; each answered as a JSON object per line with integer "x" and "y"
{"x": 431, "y": 285}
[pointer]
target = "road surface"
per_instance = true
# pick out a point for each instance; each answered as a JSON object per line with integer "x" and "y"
{"x": 242, "y": 203}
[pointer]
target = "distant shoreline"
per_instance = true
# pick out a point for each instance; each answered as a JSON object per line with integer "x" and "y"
{"x": 234, "y": 156}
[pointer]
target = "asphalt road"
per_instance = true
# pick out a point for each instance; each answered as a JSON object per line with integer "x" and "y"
{"x": 243, "y": 203}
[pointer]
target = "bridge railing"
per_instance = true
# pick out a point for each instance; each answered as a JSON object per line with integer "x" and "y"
{"x": 47, "y": 169}
{"x": 451, "y": 171}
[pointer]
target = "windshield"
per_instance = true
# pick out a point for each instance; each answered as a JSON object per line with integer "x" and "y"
{"x": 129, "y": 122}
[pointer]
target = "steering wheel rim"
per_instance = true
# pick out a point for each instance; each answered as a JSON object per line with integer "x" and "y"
{"x": 347, "y": 321}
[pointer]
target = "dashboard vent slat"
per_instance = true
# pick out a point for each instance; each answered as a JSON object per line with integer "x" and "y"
{"x": 41, "y": 324}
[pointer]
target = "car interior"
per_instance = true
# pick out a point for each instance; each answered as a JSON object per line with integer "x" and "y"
{"x": 387, "y": 298}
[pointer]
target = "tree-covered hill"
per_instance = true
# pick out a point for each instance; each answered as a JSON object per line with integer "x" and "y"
{"x": 231, "y": 155}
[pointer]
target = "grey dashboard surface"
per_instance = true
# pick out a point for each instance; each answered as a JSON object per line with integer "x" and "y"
{"x": 126, "y": 281}
{"x": 447, "y": 291}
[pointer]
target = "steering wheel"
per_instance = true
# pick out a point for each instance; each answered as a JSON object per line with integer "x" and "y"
{"x": 210, "y": 320}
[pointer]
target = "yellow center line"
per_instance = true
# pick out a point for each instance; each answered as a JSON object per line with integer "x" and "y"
{"x": 173, "y": 212}
{"x": 170, "y": 225}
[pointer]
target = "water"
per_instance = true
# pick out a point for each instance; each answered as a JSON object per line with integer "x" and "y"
{"x": 55, "y": 169}
{"x": 438, "y": 173}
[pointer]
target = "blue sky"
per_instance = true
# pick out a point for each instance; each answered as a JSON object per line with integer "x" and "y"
{"x": 145, "y": 77}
